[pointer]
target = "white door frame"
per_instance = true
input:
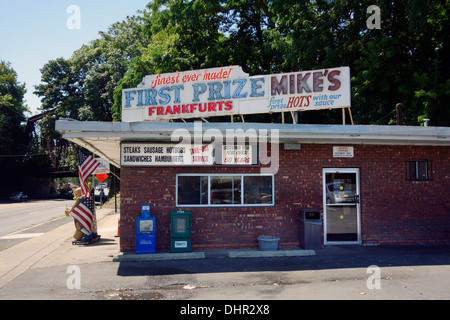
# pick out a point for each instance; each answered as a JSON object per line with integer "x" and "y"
{"x": 357, "y": 204}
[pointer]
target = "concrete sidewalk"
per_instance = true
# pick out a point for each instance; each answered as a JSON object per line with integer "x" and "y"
{"x": 55, "y": 248}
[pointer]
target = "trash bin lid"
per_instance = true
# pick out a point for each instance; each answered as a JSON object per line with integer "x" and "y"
{"x": 310, "y": 215}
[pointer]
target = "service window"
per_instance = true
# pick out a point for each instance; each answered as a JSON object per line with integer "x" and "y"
{"x": 225, "y": 190}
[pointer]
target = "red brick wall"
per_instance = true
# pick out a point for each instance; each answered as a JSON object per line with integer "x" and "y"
{"x": 393, "y": 210}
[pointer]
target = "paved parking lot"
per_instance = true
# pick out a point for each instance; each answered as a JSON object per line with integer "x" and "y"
{"x": 356, "y": 273}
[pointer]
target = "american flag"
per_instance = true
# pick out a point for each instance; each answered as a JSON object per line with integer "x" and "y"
{"x": 86, "y": 166}
{"x": 83, "y": 213}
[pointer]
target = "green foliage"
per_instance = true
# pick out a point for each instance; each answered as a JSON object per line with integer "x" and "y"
{"x": 12, "y": 108}
{"x": 61, "y": 89}
{"x": 13, "y": 139}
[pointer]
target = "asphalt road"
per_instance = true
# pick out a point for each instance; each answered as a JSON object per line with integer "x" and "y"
{"x": 23, "y": 220}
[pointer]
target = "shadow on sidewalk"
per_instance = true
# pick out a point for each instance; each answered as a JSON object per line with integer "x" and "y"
{"x": 326, "y": 258}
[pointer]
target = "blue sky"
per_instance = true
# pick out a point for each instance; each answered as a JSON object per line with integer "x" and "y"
{"x": 34, "y": 32}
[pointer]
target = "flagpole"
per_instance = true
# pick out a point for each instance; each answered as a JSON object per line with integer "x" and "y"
{"x": 115, "y": 195}
{"x": 93, "y": 186}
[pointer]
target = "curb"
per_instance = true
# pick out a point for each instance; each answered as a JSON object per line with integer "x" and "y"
{"x": 201, "y": 255}
{"x": 268, "y": 254}
{"x": 158, "y": 256}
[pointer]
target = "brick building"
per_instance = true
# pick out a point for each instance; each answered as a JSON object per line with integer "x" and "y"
{"x": 372, "y": 184}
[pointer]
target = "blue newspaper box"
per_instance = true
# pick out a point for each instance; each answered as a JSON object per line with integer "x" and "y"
{"x": 145, "y": 232}
{"x": 145, "y": 235}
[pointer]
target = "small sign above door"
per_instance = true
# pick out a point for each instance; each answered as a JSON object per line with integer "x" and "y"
{"x": 343, "y": 152}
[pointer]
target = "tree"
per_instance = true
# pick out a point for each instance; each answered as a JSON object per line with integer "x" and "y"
{"x": 12, "y": 108}
{"x": 102, "y": 64}
{"x": 82, "y": 86}
{"x": 13, "y": 140}
{"x": 61, "y": 90}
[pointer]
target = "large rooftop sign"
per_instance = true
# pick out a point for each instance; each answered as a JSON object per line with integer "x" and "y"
{"x": 230, "y": 91}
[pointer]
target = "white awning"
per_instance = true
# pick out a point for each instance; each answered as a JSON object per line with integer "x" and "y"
{"x": 104, "y": 138}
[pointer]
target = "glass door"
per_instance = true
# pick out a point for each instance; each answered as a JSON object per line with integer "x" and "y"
{"x": 342, "y": 208}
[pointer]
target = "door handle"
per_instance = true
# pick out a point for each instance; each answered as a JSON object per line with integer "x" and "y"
{"x": 357, "y": 198}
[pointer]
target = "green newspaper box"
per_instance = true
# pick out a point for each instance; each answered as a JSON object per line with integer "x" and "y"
{"x": 180, "y": 231}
